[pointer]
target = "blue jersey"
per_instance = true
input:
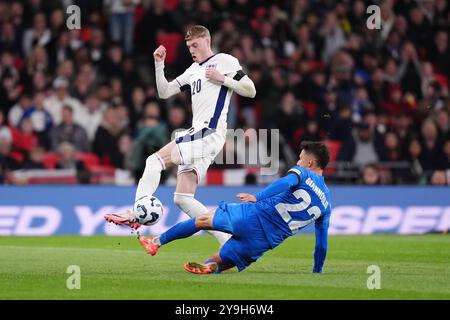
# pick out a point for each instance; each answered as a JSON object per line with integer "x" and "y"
{"x": 293, "y": 202}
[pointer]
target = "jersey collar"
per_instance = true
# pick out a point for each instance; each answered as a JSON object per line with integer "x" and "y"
{"x": 206, "y": 59}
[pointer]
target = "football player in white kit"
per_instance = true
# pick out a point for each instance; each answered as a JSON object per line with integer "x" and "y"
{"x": 211, "y": 79}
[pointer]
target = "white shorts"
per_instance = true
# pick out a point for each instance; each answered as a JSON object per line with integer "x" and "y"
{"x": 198, "y": 147}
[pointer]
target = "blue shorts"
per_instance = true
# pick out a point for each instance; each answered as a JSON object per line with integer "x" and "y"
{"x": 248, "y": 242}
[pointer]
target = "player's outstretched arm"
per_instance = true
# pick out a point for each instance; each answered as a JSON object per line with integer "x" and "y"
{"x": 320, "y": 250}
{"x": 279, "y": 186}
{"x": 165, "y": 89}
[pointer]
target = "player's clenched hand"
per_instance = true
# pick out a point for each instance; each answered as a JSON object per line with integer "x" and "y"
{"x": 246, "y": 197}
{"x": 214, "y": 75}
{"x": 160, "y": 54}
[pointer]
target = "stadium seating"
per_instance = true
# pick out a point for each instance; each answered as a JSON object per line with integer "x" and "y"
{"x": 334, "y": 146}
{"x": 171, "y": 41}
{"x": 88, "y": 159}
{"x": 50, "y": 160}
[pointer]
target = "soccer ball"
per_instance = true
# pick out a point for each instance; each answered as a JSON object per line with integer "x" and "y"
{"x": 148, "y": 210}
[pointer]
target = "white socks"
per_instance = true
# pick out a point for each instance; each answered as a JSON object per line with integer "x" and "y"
{"x": 149, "y": 182}
{"x": 193, "y": 208}
{"x": 156, "y": 241}
{"x": 150, "y": 178}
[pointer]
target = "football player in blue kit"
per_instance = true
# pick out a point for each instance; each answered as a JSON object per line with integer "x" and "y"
{"x": 265, "y": 220}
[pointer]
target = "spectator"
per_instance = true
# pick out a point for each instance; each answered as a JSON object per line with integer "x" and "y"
{"x": 57, "y": 22}
{"x": 183, "y": 13}
{"x": 404, "y": 129}
{"x": 227, "y": 36}
{"x": 177, "y": 119}
{"x": 136, "y": 106}
{"x": 40, "y": 118}
{"x": 10, "y": 91}
{"x": 361, "y": 104}
{"x": 156, "y": 18}
{"x": 92, "y": 116}
{"x": 333, "y": 36}
{"x": 443, "y": 123}
{"x": 440, "y": 52}
{"x": 85, "y": 81}
{"x": 39, "y": 35}
{"x": 69, "y": 131}
{"x": 432, "y": 100}
{"x": 68, "y": 160}
{"x": 415, "y": 158}
{"x": 431, "y": 144}
{"x": 112, "y": 64}
{"x": 126, "y": 149}
{"x": 17, "y": 111}
{"x": 291, "y": 116}
{"x": 24, "y": 139}
{"x": 342, "y": 125}
{"x": 106, "y": 139}
{"x": 5, "y": 131}
{"x": 150, "y": 138}
{"x": 59, "y": 50}
{"x": 312, "y": 132}
{"x": 7, "y": 161}
{"x": 419, "y": 27}
{"x": 267, "y": 39}
{"x": 445, "y": 159}
{"x": 38, "y": 62}
{"x": 387, "y": 18}
{"x": 391, "y": 150}
{"x": 122, "y": 21}
{"x": 60, "y": 98}
{"x": 34, "y": 160}
{"x": 410, "y": 70}
{"x": 39, "y": 81}
{"x": 438, "y": 178}
{"x": 97, "y": 46}
{"x": 10, "y": 40}
{"x": 361, "y": 149}
{"x": 395, "y": 104}
{"x": 370, "y": 175}
{"x": 130, "y": 76}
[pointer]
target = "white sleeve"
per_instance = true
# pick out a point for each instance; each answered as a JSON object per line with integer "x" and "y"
{"x": 228, "y": 65}
{"x": 167, "y": 89}
{"x": 235, "y": 78}
{"x": 243, "y": 87}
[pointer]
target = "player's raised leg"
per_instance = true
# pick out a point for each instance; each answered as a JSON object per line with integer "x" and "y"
{"x": 166, "y": 157}
{"x": 187, "y": 183}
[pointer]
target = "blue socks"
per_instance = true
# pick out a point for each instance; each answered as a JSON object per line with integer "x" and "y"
{"x": 179, "y": 231}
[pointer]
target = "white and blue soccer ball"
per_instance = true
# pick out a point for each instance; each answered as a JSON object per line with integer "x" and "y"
{"x": 148, "y": 210}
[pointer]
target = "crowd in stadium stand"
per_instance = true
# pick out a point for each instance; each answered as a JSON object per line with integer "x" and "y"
{"x": 85, "y": 98}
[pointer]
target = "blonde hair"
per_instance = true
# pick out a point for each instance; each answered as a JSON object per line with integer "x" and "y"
{"x": 197, "y": 31}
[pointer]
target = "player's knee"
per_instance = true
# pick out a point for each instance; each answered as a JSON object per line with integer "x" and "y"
{"x": 181, "y": 201}
{"x": 203, "y": 221}
{"x": 175, "y": 156}
{"x": 153, "y": 163}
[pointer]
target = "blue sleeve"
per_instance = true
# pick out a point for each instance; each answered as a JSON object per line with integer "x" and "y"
{"x": 48, "y": 120}
{"x": 26, "y": 114}
{"x": 279, "y": 186}
{"x": 320, "y": 250}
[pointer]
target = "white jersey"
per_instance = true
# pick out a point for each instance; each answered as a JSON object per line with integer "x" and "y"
{"x": 210, "y": 101}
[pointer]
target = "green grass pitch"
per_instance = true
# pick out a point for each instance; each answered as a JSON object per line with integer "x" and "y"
{"x": 412, "y": 267}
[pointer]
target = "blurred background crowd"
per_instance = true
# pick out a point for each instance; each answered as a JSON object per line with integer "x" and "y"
{"x": 86, "y": 99}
